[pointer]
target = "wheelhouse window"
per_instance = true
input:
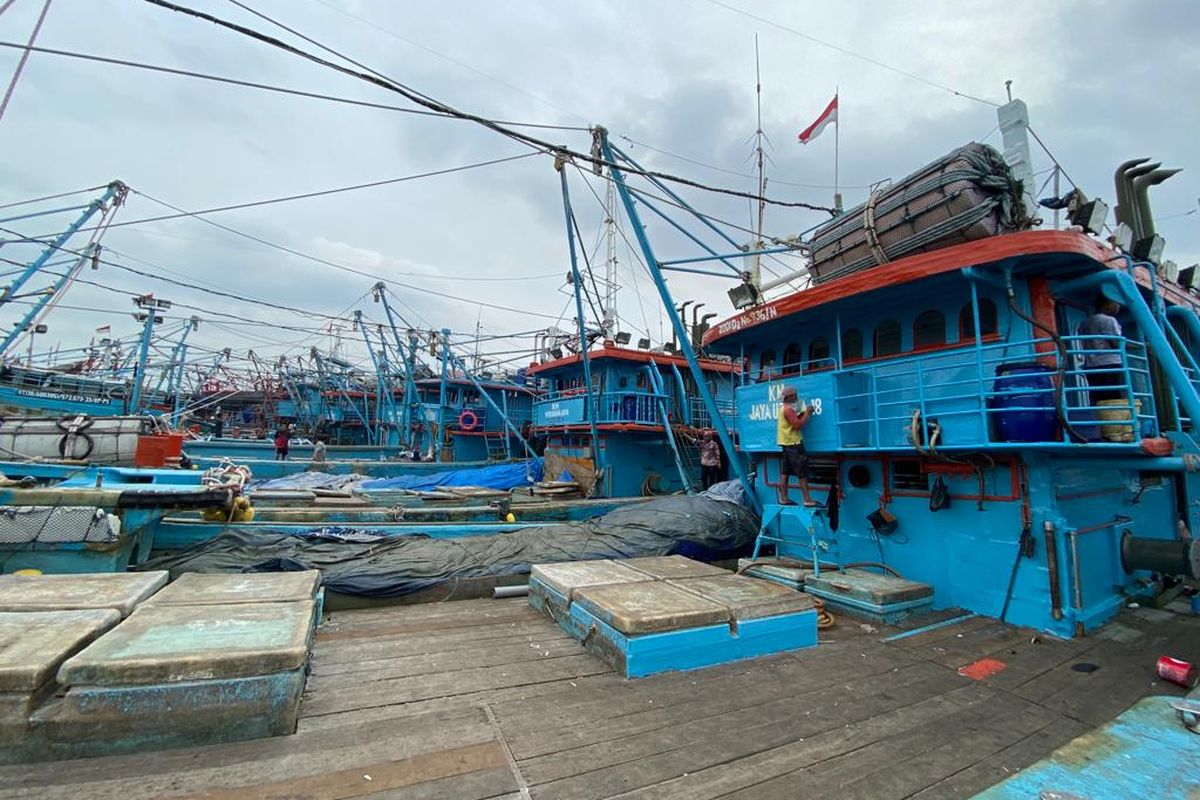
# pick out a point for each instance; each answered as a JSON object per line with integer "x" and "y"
{"x": 929, "y": 329}
{"x": 887, "y": 338}
{"x": 852, "y": 345}
{"x": 793, "y": 354}
{"x": 766, "y": 365}
{"x": 818, "y": 353}
{"x": 988, "y": 319}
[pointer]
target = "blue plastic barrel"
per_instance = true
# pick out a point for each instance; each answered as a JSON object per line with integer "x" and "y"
{"x": 1023, "y": 407}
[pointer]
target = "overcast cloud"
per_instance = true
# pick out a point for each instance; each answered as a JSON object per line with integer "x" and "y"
{"x": 1105, "y": 81}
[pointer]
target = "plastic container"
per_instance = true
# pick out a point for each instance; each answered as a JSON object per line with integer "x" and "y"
{"x": 1176, "y": 671}
{"x": 157, "y": 451}
{"x": 1022, "y": 408}
{"x": 1196, "y": 604}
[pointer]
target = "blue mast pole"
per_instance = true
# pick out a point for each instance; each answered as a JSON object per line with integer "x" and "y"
{"x": 685, "y": 341}
{"x": 116, "y": 190}
{"x": 36, "y": 309}
{"x": 406, "y": 418}
{"x": 380, "y": 382}
{"x": 577, "y": 283}
{"x": 150, "y": 306}
{"x": 178, "y": 362}
{"x": 441, "y": 413}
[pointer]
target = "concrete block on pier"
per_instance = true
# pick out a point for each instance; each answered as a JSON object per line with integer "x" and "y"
{"x": 122, "y": 591}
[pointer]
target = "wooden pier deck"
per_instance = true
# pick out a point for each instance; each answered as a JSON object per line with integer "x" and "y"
{"x": 486, "y": 699}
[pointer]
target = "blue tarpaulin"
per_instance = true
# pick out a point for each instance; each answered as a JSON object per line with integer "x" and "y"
{"x": 499, "y": 476}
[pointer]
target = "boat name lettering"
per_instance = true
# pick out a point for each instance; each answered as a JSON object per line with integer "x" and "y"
{"x": 749, "y": 319}
{"x": 761, "y": 412}
{"x": 557, "y": 411}
{"x": 70, "y": 398}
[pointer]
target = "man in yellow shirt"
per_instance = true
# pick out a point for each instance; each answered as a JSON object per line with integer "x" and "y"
{"x": 788, "y": 436}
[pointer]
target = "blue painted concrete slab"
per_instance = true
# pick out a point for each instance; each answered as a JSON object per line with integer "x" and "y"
{"x": 694, "y": 648}
{"x": 1145, "y": 752}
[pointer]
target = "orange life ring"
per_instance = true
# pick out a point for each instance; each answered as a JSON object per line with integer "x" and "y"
{"x": 468, "y": 420}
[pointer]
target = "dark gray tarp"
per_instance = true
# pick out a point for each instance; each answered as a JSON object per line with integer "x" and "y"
{"x": 359, "y": 563}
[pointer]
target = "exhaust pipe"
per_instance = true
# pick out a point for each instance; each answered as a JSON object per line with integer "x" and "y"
{"x": 1141, "y": 197}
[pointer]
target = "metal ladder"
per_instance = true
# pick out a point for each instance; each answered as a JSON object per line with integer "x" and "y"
{"x": 799, "y": 527}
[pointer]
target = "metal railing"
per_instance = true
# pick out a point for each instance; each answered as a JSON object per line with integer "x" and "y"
{"x": 622, "y": 407}
{"x": 882, "y": 403}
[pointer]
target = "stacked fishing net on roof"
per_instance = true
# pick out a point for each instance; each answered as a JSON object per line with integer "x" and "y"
{"x": 966, "y": 195}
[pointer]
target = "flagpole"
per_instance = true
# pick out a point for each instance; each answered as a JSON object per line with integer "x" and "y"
{"x": 837, "y": 130}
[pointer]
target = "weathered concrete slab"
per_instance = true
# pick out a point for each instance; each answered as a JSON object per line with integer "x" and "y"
{"x": 195, "y": 589}
{"x": 34, "y": 644}
{"x": 782, "y": 571}
{"x": 120, "y": 590}
{"x": 871, "y": 587}
{"x": 665, "y": 567}
{"x": 570, "y": 576}
{"x": 103, "y": 721}
{"x": 169, "y": 644}
{"x": 652, "y": 607}
{"x": 747, "y": 598}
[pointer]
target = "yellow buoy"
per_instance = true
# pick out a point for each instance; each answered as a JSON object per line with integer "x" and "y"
{"x": 29, "y": 571}
{"x": 510, "y": 517}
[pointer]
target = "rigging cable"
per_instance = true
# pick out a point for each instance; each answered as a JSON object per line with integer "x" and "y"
{"x": 426, "y": 102}
{"x": 12, "y": 85}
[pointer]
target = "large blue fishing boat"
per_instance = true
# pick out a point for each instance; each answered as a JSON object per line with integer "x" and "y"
{"x": 1002, "y": 416}
{"x": 635, "y": 431}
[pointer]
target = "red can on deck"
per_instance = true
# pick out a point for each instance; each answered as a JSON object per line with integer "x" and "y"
{"x": 1176, "y": 671}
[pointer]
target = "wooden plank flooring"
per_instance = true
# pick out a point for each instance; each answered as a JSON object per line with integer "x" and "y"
{"x": 485, "y": 699}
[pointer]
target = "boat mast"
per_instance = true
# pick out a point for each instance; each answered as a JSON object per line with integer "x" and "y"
{"x": 756, "y": 272}
{"x": 610, "y": 262}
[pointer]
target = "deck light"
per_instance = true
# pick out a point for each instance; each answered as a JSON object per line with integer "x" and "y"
{"x": 623, "y": 337}
{"x": 1187, "y": 275}
{"x": 1090, "y": 216}
{"x": 643, "y": 344}
{"x": 1149, "y": 249}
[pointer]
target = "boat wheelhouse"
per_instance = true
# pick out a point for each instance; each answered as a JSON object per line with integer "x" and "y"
{"x": 643, "y": 410}
{"x": 968, "y": 437}
{"x": 470, "y": 418}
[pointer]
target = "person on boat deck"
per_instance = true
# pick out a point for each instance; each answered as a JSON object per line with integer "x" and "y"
{"x": 281, "y": 445}
{"x": 791, "y": 441}
{"x": 710, "y": 460}
{"x": 318, "y": 456}
{"x": 1103, "y": 351}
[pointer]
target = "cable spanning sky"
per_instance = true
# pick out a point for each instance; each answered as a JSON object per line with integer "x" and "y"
{"x": 483, "y": 245}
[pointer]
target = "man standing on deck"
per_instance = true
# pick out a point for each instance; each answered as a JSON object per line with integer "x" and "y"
{"x": 794, "y": 460}
{"x": 281, "y": 443}
{"x": 710, "y": 460}
{"x": 1103, "y": 351}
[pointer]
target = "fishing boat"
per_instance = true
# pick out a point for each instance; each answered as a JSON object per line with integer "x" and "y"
{"x": 633, "y": 430}
{"x": 471, "y": 418}
{"x": 969, "y": 434}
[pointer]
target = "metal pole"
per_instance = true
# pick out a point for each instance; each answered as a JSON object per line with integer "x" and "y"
{"x": 135, "y": 400}
{"x": 441, "y": 412}
{"x": 116, "y": 189}
{"x": 577, "y": 282}
{"x": 668, "y": 303}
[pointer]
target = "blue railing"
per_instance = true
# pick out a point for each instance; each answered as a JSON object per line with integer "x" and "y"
{"x": 773, "y": 372}
{"x": 700, "y": 417}
{"x": 572, "y": 408}
{"x": 891, "y": 403}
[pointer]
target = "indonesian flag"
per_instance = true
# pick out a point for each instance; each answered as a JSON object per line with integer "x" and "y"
{"x": 827, "y": 116}
{"x": 104, "y": 329}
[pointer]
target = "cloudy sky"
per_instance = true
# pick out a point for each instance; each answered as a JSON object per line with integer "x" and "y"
{"x": 672, "y": 81}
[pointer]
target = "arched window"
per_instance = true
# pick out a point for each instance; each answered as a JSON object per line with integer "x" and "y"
{"x": 929, "y": 329}
{"x": 988, "y": 322}
{"x": 852, "y": 345}
{"x": 887, "y": 338}
{"x": 766, "y": 365}
{"x": 792, "y": 355}
{"x": 818, "y": 353}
